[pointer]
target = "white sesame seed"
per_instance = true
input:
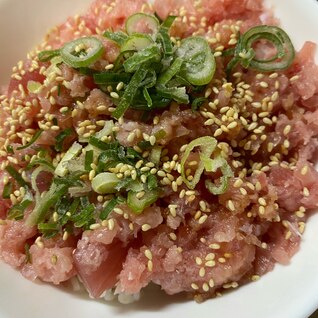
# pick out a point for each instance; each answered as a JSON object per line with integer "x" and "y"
{"x": 294, "y": 78}
{"x": 95, "y": 226}
{"x": 148, "y": 254}
{"x": 150, "y": 266}
{"x": 119, "y": 86}
{"x": 306, "y": 192}
{"x": 114, "y": 95}
{"x": 109, "y": 66}
{"x": 214, "y": 246}
{"x": 145, "y": 227}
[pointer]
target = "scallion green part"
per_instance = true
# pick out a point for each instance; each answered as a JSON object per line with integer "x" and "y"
{"x": 60, "y": 138}
{"x": 16, "y": 176}
{"x": 130, "y": 92}
{"x": 89, "y": 158}
{"x": 139, "y": 204}
{"x": 46, "y": 56}
{"x": 46, "y": 201}
{"x": 35, "y": 137}
{"x": 82, "y": 52}
{"x": 207, "y": 145}
{"x": 118, "y": 37}
{"x": 245, "y": 54}
{"x": 7, "y": 190}
{"x": 108, "y": 208}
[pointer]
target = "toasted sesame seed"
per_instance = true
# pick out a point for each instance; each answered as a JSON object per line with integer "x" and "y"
{"x": 150, "y": 266}
{"x": 218, "y": 132}
{"x": 294, "y": 78}
{"x": 198, "y": 261}
{"x": 95, "y": 226}
{"x": 304, "y": 170}
{"x": 39, "y": 242}
{"x": 119, "y": 86}
{"x": 194, "y": 286}
{"x": 214, "y": 246}
{"x": 202, "y": 219}
{"x": 205, "y": 287}
{"x": 109, "y": 66}
{"x": 145, "y": 227}
{"x": 210, "y": 263}
{"x": 173, "y": 236}
{"x": 148, "y": 254}
{"x": 118, "y": 211}
{"x": 306, "y": 192}
{"x": 262, "y": 201}
{"x": 65, "y": 235}
{"x": 111, "y": 224}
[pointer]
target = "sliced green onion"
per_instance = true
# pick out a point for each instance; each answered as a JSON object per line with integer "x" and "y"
{"x": 138, "y": 205}
{"x": 82, "y": 52}
{"x": 96, "y": 142}
{"x": 245, "y": 54}
{"x": 105, "y": 182}
{"x": 198, "y": 102}
{"x": 108, "y": 208}
{"x": 199, "y": 66}
{"x": 35, "y": 137}
{"x": 46, "y": 56}
{"x": 85, "y": 217}
{"x": 152, "y": 182}
{"x": 107, "y": 129}
{"x": 207, "y": 145}
{"x": 40, "y": 162}
{"x": 129, "y": 184}
{"x": 34, "y": 87}
{"x": 177, "y": 93}
{"x": 118, "y": 37}
{"x": 147, "y": 97}
{"x": 16, "y": 176}
{"x": 89, "y": 158}
{"x": 48, "y": 230}
{"x": 211, "y": 165}
{"x": 43, "y": 205}
{"x": 166, "y": 43}
{"x": 61, "y": 137}
{"x": 167, "y": 24}
{"x": 17, "y": 211}
{"x": 109, "y": 78}
{"x": 10, "y": 149}
{"x": 61, "y": 169}
{"x": 130, "y": 92}
{"x": 155, "y": 155}
{"x": 137, "y": 42}
{"x": 164, "y": 36}
{"x": 142, "y": 23}
{"x": 36, "y": 172}
{"x": 170, "y": 72}
{"x": 7, "y": 190}
{"x": 148, "y": 54}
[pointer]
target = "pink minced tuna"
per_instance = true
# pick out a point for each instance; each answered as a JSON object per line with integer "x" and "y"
{"x": 189, "y": 240}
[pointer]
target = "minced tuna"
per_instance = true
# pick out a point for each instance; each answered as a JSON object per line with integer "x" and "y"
{"x": 159, "y": 151}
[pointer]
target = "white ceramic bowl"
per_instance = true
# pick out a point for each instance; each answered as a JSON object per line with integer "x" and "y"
{"x": 287, "y": 292}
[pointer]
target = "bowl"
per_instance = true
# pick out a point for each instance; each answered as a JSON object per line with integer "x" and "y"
{"x": 287, "y": 292}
